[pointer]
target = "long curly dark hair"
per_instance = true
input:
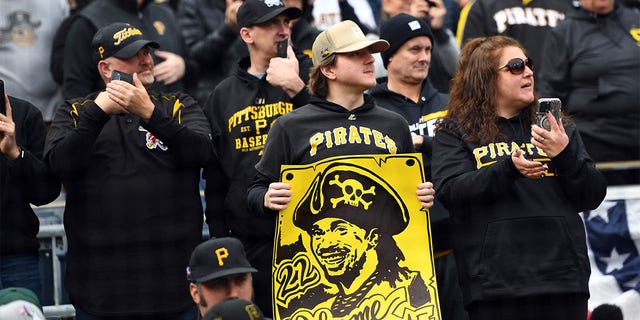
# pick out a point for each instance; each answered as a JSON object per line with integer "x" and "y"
{"x": 472, "y": 106}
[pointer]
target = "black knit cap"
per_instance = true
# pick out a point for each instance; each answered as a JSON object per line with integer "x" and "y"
{"x": 253, "y": 12}
{"x": 399, "y": 29}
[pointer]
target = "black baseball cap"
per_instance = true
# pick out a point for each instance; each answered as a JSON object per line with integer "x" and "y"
{"x": 253, "y": 12}
{"x": 216, "y": 258}
{"x": 120, "y": 40}
{"x": 234, "y": 309}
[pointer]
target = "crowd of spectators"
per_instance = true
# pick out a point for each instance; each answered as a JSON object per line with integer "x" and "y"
{"x": 207, "y": 62}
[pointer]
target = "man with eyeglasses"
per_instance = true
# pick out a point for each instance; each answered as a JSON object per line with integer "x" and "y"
{"x": 219, "y": 270}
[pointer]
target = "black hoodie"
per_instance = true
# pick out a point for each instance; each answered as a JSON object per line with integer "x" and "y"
{"x": 241, "y": 111}
{"x": 290, "y": 139}
{"x": 514, "y": 236}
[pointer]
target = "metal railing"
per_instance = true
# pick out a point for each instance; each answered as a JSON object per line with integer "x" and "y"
{"x": 58, "y": 240}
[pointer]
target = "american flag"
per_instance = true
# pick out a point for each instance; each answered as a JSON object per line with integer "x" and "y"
{"x": 613, "y": 236}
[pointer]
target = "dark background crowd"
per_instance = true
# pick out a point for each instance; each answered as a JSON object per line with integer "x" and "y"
{"x": 207, "y": 63}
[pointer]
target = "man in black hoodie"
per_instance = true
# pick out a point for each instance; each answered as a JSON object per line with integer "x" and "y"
{"x": 241, "y": 111}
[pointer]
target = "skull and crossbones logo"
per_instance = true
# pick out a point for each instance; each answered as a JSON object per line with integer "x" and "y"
{"x": 352, "y": 192}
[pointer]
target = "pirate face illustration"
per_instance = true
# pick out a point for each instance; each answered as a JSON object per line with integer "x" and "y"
{"x": 340, "y": 246}
{"x": 344, "y": 211}
{"x": 20, "y": 29}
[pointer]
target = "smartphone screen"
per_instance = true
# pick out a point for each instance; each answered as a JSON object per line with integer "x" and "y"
{"x": 3, "y": 106}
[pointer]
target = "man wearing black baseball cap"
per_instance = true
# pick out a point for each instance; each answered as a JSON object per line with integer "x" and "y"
{"x": 129, "y": 159}
{"x": 241, "y": 109}
{"x": 120, "y": 40}
{"x": 255, "y": 12}
{"x": 219, "y": 270}
{"x": 123, "y": 41}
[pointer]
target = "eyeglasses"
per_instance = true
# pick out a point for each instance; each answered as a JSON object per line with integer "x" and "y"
{"x": 516, "y": 65}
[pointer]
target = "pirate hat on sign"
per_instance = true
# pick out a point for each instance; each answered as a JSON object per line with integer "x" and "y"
{"x": 355, "y": 194}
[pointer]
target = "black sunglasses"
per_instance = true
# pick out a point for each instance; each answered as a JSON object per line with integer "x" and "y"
{"x": 516, "y": 65}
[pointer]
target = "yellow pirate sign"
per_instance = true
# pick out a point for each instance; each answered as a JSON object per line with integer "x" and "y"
{"x": 355, "y": 242}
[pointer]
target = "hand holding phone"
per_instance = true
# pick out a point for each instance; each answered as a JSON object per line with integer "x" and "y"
{"x": 282, "y": 48}
{"x": 546, "y": 105}
{"x": 119, "y": 75}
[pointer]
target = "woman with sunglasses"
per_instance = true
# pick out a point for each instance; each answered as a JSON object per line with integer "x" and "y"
{"x": 514, "y": 190}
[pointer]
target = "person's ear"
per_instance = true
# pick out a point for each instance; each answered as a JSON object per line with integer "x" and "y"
{"x": 328, "y": 72}
{"x": 245, "y": 34}
{"x": 193, "y": 290}
{"x": 105, "y": 69}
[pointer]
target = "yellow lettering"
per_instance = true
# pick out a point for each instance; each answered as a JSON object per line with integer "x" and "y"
{"x": 367, "y": 134}
{"x": 492, "y": 150}
{"x": 329, "y": 140}
{"x": 354, "y": 137}
{"x": 260, "y": 124}
{"x": 502, "y": 148}
{"x": 378, "y": 139}
{"x": 315, "y": 141}
{"x": 124, "y": 34}
{"x": 391, "y": 145}
{"x": 479, "y": 153}
{"x": 340, "y": 135}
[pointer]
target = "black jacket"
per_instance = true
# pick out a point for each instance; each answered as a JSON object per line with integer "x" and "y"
{"x": 514, "y": 236}
{"x": 241, "y": 111}
{"x": 210, "y": 42}
{"x": 24, "y": 181}
{"x": 156, "y": 21}
{"x": 133, "y": 211}
{"x": 528, "y": 23}
{"x": 592, "y": 63}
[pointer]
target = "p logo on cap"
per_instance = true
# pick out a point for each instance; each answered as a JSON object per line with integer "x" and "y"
{"x": 217, "y": 258}
{"x": 222, "y": 254}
